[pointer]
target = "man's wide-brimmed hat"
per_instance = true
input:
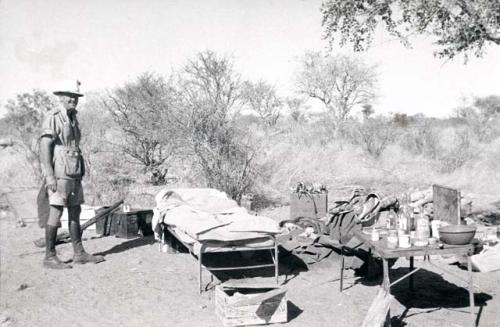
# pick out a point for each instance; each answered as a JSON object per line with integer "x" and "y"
{"x": 71, "y": 88}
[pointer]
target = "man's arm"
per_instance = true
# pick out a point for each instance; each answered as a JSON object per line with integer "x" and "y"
{"x": 46, "y": 161}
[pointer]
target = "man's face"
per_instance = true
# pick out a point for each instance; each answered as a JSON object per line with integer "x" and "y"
{"x": 69, "y": 102}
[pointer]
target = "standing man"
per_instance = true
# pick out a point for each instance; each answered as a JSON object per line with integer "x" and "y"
{"x": 63, "y": 169}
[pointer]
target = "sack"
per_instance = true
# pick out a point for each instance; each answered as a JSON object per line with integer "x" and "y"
{"x": 73, "y": 164}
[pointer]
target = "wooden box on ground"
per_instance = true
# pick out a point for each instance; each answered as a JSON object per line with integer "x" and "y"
{"x": 126, "y": 224}
{"x": 250, "y": 305}
{"x": 313, "y": 205}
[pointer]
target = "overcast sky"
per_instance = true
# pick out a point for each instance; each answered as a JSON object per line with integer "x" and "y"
{"x": 104, "y": 43}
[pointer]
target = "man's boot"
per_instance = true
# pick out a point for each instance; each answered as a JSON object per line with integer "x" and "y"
{"x": 51, "y": 260}
{"x": 80, "y": 256}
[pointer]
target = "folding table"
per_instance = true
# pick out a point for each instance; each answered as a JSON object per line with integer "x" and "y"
{"x": 380, "y": 249}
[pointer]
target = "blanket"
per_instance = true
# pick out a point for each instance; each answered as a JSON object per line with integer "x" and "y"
{"x": 208, "y": 215}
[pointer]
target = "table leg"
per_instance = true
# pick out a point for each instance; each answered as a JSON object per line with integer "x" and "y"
{"x": 276, "y": 261}
{"x": 471, "y": 292}
{"x": 386, "y": 284}
{"x": 412, "y": 267}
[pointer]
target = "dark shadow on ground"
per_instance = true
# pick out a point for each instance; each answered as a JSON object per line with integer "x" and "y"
{"x": 289, "y": 265}
{"x": 432, "y": 290}
{"x": 127, "y": 245}
{"x": 293, "y": 311}
{"x": 431, "y": 293}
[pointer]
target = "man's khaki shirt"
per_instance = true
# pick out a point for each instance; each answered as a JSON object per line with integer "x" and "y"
{"x": 65, "y": 136}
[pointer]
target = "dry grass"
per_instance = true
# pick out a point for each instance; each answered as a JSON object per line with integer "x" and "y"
{"x": 305, "y": 152}
{"x": 452, "y": 157}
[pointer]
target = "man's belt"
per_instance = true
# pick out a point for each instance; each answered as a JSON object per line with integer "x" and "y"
{"x": 74, "y": 152}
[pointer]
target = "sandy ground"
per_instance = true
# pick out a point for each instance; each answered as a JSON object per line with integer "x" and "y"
{"x": 138, "y": 285}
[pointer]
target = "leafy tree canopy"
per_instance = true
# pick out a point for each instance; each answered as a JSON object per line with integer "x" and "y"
{"x": 23, "y": 123}
{"x": 262, "y": 98}
{"x": 459, "y": 26}
{"x": 144, "y": 112}
{"x": 211, "y": 89}
{"x": 341, "y": 82}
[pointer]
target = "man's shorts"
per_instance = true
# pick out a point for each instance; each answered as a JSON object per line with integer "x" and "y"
{"x": 69, "y": 193}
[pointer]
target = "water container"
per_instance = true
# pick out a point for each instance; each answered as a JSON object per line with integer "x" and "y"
{"x": 422, "y": 226}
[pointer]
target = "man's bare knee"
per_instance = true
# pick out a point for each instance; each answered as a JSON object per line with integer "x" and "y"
{"x": 55, "y": 214}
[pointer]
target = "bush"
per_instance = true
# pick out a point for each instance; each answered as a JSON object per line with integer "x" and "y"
{"x": 482, "y": 117}
{"x": 144, "y": 111}
{"x": 374, "y": 135}
{"x": 421, "y": 138}
{"x": 222, "y": 151}
{"x": 456, "y": 150}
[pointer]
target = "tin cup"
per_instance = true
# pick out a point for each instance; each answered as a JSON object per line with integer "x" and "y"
{"x": 375, "y": 236}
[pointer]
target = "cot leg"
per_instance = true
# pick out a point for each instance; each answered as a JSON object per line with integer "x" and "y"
{"x": 471, "y": 292}
{"x": 162, "y": 237}
{"x": 199, "y": 271}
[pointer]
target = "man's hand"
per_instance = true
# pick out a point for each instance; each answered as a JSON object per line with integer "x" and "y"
{"x": 51, "y": 183}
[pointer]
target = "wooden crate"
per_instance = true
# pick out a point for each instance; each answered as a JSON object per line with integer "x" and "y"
{"x": 251, "y": 306}
{"x": 126, "y": 224}
{"x": 313, "y": 205}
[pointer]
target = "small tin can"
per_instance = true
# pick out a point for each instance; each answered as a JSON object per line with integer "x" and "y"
{"x": 404, "y": 241}
{"x": 375, "y": 236}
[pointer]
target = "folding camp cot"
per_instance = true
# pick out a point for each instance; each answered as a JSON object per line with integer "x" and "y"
{"x": 199, "y": 249}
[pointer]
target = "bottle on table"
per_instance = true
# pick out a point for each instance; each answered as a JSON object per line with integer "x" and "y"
{"x": 392, "y": 239}
{"x": 392, "y": 219}
{"x": 411, "y": 215}
{"x": 422, "y": 226}
{"x": 405, "y": 212}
